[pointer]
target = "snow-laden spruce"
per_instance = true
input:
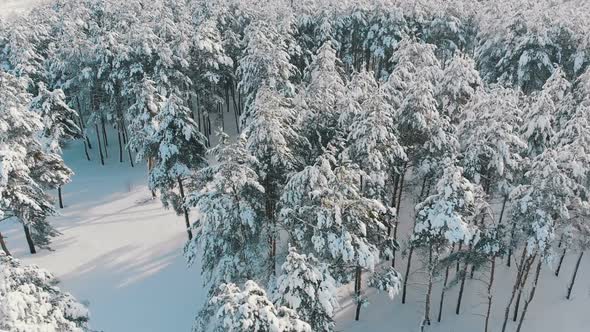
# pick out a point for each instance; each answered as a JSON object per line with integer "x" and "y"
{"x": 30, "y": 301}
{"x": 307, "y": 287}
{"x": 230, "y": 233}
{"x": 26, "y": 167}
{"x": 458, "y": 84}
{"x": 372, "y": 141}
{"x": 232, "y": 309}
{"x": 179, "y": 154}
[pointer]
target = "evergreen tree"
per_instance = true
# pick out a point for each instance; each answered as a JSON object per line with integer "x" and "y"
{"x": 179, "y": 153}
{"x": 232, "y": 309}
{"x": 459, "y": 83}
{"x": 25, "y": 166}
{"x": 306, "y": 287}
{"x": 229, "y": 233}
{"x": 30, "y": 301}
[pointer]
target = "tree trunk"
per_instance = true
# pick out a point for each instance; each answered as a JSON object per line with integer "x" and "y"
{"x": 560, "y": 262}
{"x": 397, "y": 210}
{"x": 99, "y": 144}
{"x": 104, "y": 135}
{"x": 531, "y": 294}
{"x": 29, "y": 239}
{"x": 396, "y": 179}
{"x": 431, "y": 264}
{"x": 120, "y": 145}
{"x": 150, "y": 165}
{"x": 461, "y": 289}
{"x": 514, "y": 289}
{"x": 86, "y": 148}
{"x": 490, "y": 295}
{"x": 524, "y": 277}
{"x": 407, "y": 275}
{"x": 61, "y": 202}
{"x": 130, "y": 157}
{"x": 444, "y": 288}
{"x": 511, "y": 243}
{"x": 503, "y": 209}
{"x": 186, "y": 218}
{"x": 571, "y": 285}
{"x": 359, "y": 302}
{"x": 460, "y": 246}
{"x": 3, "y": 245}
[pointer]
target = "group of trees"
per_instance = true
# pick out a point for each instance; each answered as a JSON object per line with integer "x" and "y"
{"x": 340, "y": 111}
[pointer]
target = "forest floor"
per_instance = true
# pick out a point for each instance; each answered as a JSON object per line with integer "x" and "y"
{"x": 121, "y": 253}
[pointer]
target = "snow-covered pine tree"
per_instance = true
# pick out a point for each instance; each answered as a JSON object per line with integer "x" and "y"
{"x": 273, "y": 141}
{"x": 410, "y": 57}
{"x": 540, "y": 123}
{"x": 30, "y": 301}
{"x": 443, "y": 220}
{"x": 25, "y": 166}
{"x": 540, "y": 204}
{"x": 491, "y": 146}
{"x": 325, "y": 97}
{"x": 59, "y": 120}
{"x": 180, "y": 152}
{"x": 140, "y": 117}
{"x": 265, "y": 62}
{"x": 231, "y": 309}
{"x": 458, "y": 84}
{"x": 307, "y": 287}
{"x": 372, "y": 142}
{"x": 230, "y": 232}
{"x": 59, "y": 124}
{"x": 325, "y": 215}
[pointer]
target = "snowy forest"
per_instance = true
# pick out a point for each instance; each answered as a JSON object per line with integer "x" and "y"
{"x": 328, "y": 165}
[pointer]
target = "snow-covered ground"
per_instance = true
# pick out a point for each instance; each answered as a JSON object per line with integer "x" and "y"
{"x": 122, "y": 254}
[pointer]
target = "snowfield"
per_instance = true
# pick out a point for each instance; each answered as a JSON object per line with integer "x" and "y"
{"x": 121, "y": 253}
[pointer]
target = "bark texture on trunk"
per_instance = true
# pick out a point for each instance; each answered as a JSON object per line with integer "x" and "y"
{"x": 571, "y": 285}
{"x": 29, "y": 239}
{"x": 3, "y": 246}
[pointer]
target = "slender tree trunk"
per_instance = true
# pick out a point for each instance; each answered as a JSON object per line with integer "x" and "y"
{"x": 571, "y": 285}
{"x": 120, "y": 145}
{"x": 83, "y": 126}
{"x": 99, "y": 145}
{"x": 460, "y": 246}
{"x": 560, "y": 262}
{"x": 407, "y": 275}
{"x": 524, "y": 277}
{"x": 29, "y": 239}
{"x": 490, "y": 294}
{"x": 186, "y": 218}
{"x": 393, "y": 200}
{"x": 519, "y": 273}
{"x": 397, "y": 212}
{"x": 150, "y": 165}
{"x": 61, "y": 202}
{"x": 431, "y": 264}
{"x": 86, "y": 148}
{"x": 511, "y": 243}
{"x": 130, "y": 156}
{"x": 359, "y": 302}
{"x": 531, "y": 294}
{"x": 444, "y": 289}
{"x": 461, "y": 289}
{"x": 104, "y": 134}
{"x": 503, "y": 209}
{"x": 3, "y": 245}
